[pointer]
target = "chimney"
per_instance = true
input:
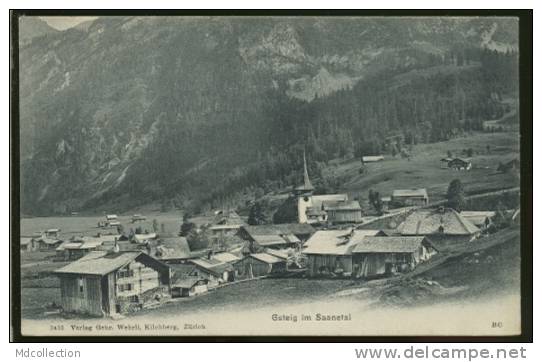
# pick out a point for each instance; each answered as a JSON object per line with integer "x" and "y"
{"x": 210, "y": 254}
{"x": 116, "y": 248}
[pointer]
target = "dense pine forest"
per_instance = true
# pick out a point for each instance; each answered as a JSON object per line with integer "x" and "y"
{"x": 206, "y": 114}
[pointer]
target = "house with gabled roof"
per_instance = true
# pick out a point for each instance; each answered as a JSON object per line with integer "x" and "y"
{"x": 342, "y": 212}
{"x": 384, "y": 255}
{"x": 441, "y": 224}
{"x": 47, "y": 244}
{"x": 215, "y": 271}
{"x": 226, "y": 222}
{"x": 329, "y": 252}
{"x": 460, "y": 164}
{"x": 275, "y": 236}
{"x": 106, "y": 283}
{"x": 174, "y": 250}
{"x": 259, "y": 264}
{"x": 410, "y": 197}
{"x": 187, "y": 286}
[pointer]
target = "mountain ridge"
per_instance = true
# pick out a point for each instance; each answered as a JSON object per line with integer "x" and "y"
{"x": 134, "y": 109}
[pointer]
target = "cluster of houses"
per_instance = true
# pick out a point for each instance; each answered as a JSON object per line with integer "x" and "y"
{"x": 111, "y": 274}
{"x": 44, "y": 241}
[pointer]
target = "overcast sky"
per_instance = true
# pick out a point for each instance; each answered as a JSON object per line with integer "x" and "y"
{"x": 65, "y": 22}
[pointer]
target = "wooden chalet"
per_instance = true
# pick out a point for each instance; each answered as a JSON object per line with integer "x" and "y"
{"x": 410, "y": 197}
{"x": 276, "y": 236}
{"x": 105, "y": 283}
{"x": 215, "y": 271}
{"x": 460, "y": 164}
{"x": 47, "y": 244}
{"x": 52, "y": 233}
{"x": 384, "y": 255}
{"x": 226, "y": 223}
{"x": 187, "y": 286}
{"x": 258, "y": 265}
{"x": 329, "y": 252}
{"x": 77, "y": 247}
{"x": 343, "y": 212}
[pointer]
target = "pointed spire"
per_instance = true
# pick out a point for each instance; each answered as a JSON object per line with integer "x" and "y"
{"x": 306, "y": 181}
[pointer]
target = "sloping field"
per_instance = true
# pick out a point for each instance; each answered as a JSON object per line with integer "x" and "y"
{"x": 424, "y": 168}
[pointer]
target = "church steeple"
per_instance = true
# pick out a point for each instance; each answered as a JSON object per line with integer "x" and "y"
{"x": 306, "y": 187}
{"x": 306, "y": 181}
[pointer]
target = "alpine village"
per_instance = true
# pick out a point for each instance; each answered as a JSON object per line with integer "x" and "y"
{"x": 232, "y": 163}
{"x": 115, "y": 272}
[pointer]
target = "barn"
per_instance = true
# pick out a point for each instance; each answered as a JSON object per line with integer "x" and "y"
{"x": 215, "y": 271}
{"x": 106, "y": 283}
{"x": 258, "y": 265}
{"x": 187, "y": 286}
{"x": 384, "y": 255}
{"x": 329, "y": 252}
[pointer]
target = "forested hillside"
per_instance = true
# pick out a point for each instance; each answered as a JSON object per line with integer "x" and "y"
{"x": 193, "y": 113}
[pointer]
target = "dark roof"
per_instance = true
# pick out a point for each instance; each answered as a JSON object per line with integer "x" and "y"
{"x": 437, "y": 221}
{"x": 390, "y": 244}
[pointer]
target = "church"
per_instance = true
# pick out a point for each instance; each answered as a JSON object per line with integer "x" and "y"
{"x": 323, "y": 209}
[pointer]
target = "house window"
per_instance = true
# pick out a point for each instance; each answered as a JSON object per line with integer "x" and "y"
{"x": 80, "y": 282}
{"x": 125, "y": 287}
{"x": 126, "y": 273}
